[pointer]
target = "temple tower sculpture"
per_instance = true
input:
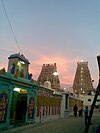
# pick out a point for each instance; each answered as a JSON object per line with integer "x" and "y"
{"x": 82, "y": 81}
{"x": 49, "y": 73}
{"x": 18, "y": 65}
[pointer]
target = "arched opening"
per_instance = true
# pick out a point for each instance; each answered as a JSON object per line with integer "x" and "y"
{"x": 18, "y": 106}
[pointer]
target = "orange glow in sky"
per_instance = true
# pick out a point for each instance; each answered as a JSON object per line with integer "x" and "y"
{"x": 64, "y": 67}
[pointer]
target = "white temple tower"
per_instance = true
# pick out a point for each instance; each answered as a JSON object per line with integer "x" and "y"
{"x": 82, "y": 81}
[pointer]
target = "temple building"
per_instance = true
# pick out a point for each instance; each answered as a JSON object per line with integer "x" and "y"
{"x": 18, "y": 93}
{"x": 49, "y": 73}
{"x": 22, "y": 99}
{"x": 82, "y": 81}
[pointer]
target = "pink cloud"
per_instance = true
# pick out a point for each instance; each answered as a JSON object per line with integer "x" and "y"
{"x": 66, "y": 66}
{"x": 4, "y": 62}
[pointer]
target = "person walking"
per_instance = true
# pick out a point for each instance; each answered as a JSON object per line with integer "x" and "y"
{"x": 75, "y": 110}
{"x": 86, "y": 115}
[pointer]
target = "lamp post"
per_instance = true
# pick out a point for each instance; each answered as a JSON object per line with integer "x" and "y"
{"x": 95, "y": 98}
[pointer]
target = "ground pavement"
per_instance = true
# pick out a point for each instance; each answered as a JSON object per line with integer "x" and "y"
{"x": 68, "y": 125}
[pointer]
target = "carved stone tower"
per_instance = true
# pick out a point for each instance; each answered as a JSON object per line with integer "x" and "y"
{"x": 49, "y": 73}
{"x": 82, "y": 81}
{"x": 19, "y": 65}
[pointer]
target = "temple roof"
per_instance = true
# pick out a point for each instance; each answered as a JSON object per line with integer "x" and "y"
{"x": 19, "y": 56}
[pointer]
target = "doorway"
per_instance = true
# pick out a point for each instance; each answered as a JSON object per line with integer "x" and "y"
{"x": 21, "y": 107}
{"x": 18, "y": 107}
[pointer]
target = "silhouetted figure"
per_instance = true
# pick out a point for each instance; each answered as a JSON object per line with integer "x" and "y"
{"x": 80, "y": 112}
{"x": 98, "y": 129}
{"x": 75, "y": 110}
{"x": 29, "y": 76}
{"x": 86, "y": 114}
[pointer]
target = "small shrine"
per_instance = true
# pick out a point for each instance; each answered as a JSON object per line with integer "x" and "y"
{"x": 18, "y": 92}
{"x": 18, "y": 65}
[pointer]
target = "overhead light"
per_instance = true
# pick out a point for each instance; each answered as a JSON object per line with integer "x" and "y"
{"x": 81, "y": 89}
{"x": 20, "y": 90}
{"x": 17, "y": 89}
{"x": 81, "y": 60}
{"x": 55, "y": 73}
{"x": 22, "y": 62}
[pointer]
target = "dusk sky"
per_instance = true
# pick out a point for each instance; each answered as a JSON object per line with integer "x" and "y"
{"x": 54, "y": 31}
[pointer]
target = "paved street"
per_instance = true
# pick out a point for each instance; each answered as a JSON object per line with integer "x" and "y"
{"x": 68, "y": 125}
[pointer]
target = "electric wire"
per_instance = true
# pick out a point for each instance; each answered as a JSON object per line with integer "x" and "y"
{"x": 7, "y": 51}
{"x": 10, "y": 25}
{"x": 34, "y": 68}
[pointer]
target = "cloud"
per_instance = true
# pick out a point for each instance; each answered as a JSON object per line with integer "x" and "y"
{"x": 65, "y": 66}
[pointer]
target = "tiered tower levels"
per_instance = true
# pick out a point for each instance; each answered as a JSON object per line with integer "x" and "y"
{"x": 47, "y": 74}
{"x": 82, "y": 82}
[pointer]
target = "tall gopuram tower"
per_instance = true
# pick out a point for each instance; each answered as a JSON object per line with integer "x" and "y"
{"x": 82, "y": 81}
{"x": 49, "y": 73}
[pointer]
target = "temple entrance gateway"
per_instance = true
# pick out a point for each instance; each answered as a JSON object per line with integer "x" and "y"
{"x": 21, "y": 107}
{"x": 18, "y": 106}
